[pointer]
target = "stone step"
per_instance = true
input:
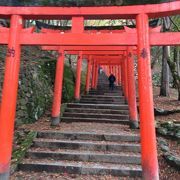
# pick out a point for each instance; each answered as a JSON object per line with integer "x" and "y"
{"x": 96, "y": 115}
{"x": 107, "y": 93}
{"x": 86, "y": 110}
{"x": 100, "y": 102}
{"x": 114, "y": 93}
{"x": 102, "y": 96}
{"x": 98, "y": 106}
{"x": 107, "y": 83}
{"x": 94, "y": 139}
{"x": 89, "y": 136}
{"x": 85, "y": 156}
{"x": 82, "y": 168}
{"x": 103, "y": 99}
{"x": 86, "y": 145}
{"x": 97, "y": 120}
{"x": 106, "y": 88}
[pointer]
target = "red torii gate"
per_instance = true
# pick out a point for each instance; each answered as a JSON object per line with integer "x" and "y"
{"x": 59, "y": 76}
{"x": 16, "y": 36}
{"x": 55, "y": 116}
{"x": 78, "y": 72}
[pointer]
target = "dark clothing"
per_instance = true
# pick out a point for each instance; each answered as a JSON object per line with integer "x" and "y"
{"x": 111, "y": 79}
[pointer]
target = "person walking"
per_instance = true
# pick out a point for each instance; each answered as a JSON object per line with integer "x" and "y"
{"x": 111, "y": 79}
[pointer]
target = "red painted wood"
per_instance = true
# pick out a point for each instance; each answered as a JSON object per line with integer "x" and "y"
{"x": 44, "y": 30}
{"x": 116, "y": 73}
{"x": 134, "y": 30}
{"x": 114, "y": 12}
{"x": 108, "y": 62}
{"x": 4, "y": 30}
{"x": 56, "y": 107}
{"x": 83, "y": 39}
{"x": 122, "y": 75}
{"x": 88, "y": 75}
{"x": 88, "y": 48}
{"x": 77, "y": 24}
{"x": 98, "y": 52}
{"x": 96, "y": 76}
{"x": 78, "y": 77}
{"x": 126, "y": 79}
{"x": 9, "y": 93}
{"x": 147, "y": 126}
{"x": 131, "y": 86}
{"x": 93, "y": 73}
{"x": 126, "y": 29}
{"x": 119, "y": 71}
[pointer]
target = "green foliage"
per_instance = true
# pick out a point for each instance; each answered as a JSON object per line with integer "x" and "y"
{"x": 175, "y": 21}
{"x": 83, "y": 80}
{"x": 68, "y": 84}
{"x": 156, "y": 79}
{"x": 35, "y": 92}
{"x": 22, "y": 141}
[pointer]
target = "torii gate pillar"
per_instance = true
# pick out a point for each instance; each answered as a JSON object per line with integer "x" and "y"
{"x": 96, "y": 76}
{"x": 125, "y": 80}
{"x": 122, "y": 76}
{"x": 9, "y": 95}
{"x": 147, "y": 127}
{"x": 93, "y": 74}
{"x": 119, "y": 74}
{"x": 131, "y": 89}
{"x": 56, "y": 108}
{"x": 78, "y": 77}
{"x": 88, "y": 75}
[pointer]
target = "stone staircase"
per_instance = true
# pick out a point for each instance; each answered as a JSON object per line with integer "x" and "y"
{"x": 94, "y": 150}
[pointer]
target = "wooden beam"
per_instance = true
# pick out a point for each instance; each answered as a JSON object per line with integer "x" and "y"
{"x": 122, "y": 39}
{"x": 113, "y": 12}
{"x": 88, "y": 48}
{"x": 83, "y": 39}
{"x": 97, "y": 52}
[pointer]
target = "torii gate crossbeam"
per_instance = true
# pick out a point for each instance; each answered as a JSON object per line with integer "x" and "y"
{"x": 115, "y": 12}
{"x": 143, "y": 39}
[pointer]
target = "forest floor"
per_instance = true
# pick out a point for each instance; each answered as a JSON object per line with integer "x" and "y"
{"x": 167, "y": 172}
{"x": 167, "y": 103}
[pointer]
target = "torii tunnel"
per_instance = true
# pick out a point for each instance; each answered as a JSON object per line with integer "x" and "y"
{"x": 112, "y": 50}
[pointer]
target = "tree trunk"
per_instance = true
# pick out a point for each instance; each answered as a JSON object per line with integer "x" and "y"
{"x": 177, "y": 61}
{"x": 164, "y": 90}
{"x": 174, "y": 65}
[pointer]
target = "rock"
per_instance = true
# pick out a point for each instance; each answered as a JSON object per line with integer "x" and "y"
{"x": 172, "y": 160}
{"x": 158, "y": 111}
{"x": 162, "y": 141}
{"x": 170, "y": 128}
{"x": 177, "y": 134}
{"x": 157, "y": 124}
{"x": 163, "y": 144}
{"x": 170, "y": 133}
{"x": 177, "y": 126}
{"x": 162, "y": 131}
{"x": 164, "y": 148}
{"x": 169, "y": 125}
{"x": 177, "y": 162}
